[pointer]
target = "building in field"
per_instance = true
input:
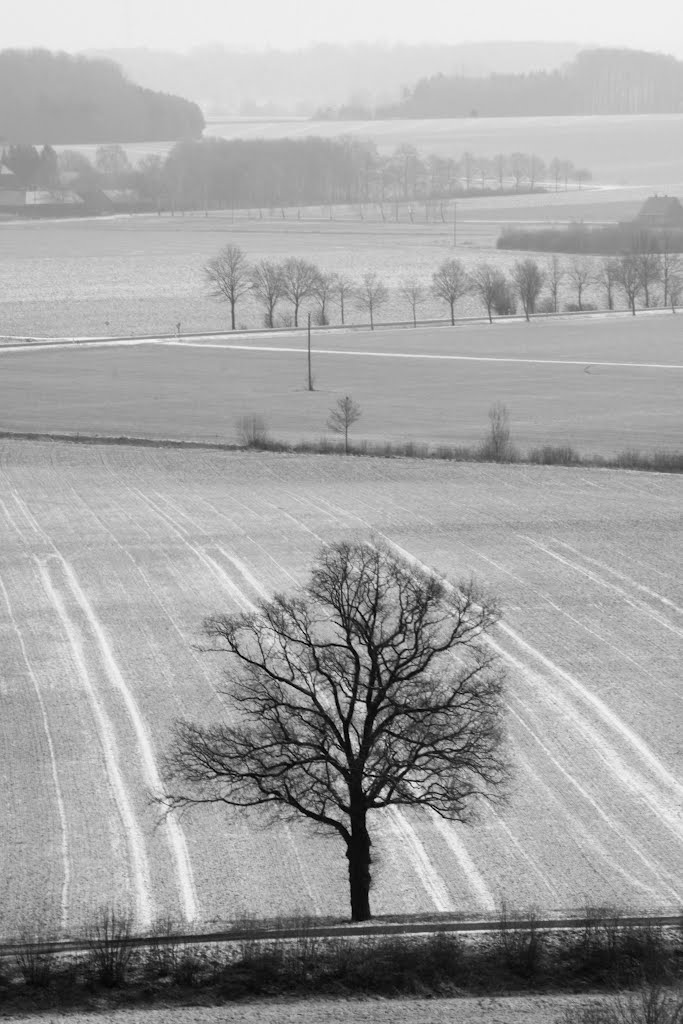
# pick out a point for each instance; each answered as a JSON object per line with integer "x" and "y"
{"x": 660, "y": 212}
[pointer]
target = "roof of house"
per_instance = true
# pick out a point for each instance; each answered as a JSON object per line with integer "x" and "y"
{"x": 662, "y": 206}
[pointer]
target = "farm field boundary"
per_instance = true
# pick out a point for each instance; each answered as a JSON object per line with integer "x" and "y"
{"x": 14, "y": 342}
{"x": 264, "y": 931}
{"x": 547, "y": 455}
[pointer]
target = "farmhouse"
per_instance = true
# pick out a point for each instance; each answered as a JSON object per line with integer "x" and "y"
{"x": 660, "y": 212}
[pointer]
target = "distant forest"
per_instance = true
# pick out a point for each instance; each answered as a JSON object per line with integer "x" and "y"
{"x": 601, "y": 81}
{"x": 57, "y": 98}
{"x": 275, "y": 83}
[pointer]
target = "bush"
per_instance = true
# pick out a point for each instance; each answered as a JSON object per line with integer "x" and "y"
{"x": 252, "y": 431}
{"x": 522, "y": 948}
{"x": 554, "y": 455}
{"x": 546, "y": 306}
{"x": 585, "y": 307}
{"x": 110, "y": 951}
{"x": 650, "y": 1004}
{"x": 497, "y": 446}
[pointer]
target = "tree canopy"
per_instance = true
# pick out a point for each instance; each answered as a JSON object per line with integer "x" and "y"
{"x": 58, "y": 98}
{"x": 371, "y": 686}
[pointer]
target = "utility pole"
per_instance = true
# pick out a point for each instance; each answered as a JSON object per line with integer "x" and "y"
{"x": 455, "y": 224}
{"x": 310, "y": 378}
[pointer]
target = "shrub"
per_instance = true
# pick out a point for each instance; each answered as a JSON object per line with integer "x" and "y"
{"x": 554, "y": 455}
{"x": 252, "y": 431}
{"x": 109, "y": 947}
{"x": 497, "y": 446}
{"x": 585, "y": 307}
{"x": 650, "y": 1004}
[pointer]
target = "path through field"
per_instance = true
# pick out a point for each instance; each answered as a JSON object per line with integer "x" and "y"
{"x": 110, "y": 559}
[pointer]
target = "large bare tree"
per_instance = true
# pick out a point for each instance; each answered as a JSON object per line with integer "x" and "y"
{"x": 229, "y": 275}
{"x": 371, "y": 686}
{"x": 299, "y": 280}
{"x": 649, "y": 274}
{"x": 266, "y": 282}
{"x": 371, "y": 294}
{"x": 450, "y": 283}
{"x": 528, "y": 278}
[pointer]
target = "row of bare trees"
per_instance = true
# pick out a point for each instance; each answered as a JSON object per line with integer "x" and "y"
{"x": 231, "y": 277}
{"x": 538, "y": 287}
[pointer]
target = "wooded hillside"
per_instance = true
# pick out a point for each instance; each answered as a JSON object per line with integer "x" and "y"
{"x": 602, "y": 81}
{"x": 58, "y": 98}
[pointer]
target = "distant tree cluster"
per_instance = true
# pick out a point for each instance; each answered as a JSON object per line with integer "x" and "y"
{"x": 600, "y": 240}
{"x": 599, "y": 81}
{"x": 58, "y": 98}
{"x": 645, "y": 278}
{"x": 275, "y": 173}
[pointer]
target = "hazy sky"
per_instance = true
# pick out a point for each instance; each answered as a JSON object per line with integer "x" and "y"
{"x": 182, "y": 24}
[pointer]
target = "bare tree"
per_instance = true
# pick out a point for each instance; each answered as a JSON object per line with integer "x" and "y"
{"x": 299, "y": 278}
{"x": 369, "y": 687}
{"x": 675, "y": 284}
{"x": 450, "y": 283}
{"x": 607, "y": 276}
{"x": 344, "y": 289}
{"x": 555, "y": 274}
{"x": 500, "y": 165}
{"x": 580, "y": 273}
{"x": 413, "y": 291}
{"x": 627, "y": 277}
{"x": 323, "y": 289}
{"x": 498, "y": 445}
{"x": 649, "y": 274}
{"x": 670, "y": 267}
{"x": 229, "y": 275}
{"x": 527, "y": 278}
{"x": 342, "y": 417}
{"x": 371, "y": 295}
{"x": 490, "y": 285}
{"x": 266, "y": 283}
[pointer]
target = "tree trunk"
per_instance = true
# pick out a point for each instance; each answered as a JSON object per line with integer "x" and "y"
{"x": 452, "y": 314}
{"x": 232, "y": 315}
{"x": 358, "y": 855}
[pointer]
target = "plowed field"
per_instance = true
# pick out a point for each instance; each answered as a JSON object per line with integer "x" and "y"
{"x": 109, "y": 560}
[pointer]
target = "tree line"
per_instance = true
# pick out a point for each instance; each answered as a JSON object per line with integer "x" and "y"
{"x": 277, "y": 173}
{"x": 598, "y": 81}
{"x": 59, "y": 98}
{"x": 647, "y": 278}
{"x": 604, "y": 240}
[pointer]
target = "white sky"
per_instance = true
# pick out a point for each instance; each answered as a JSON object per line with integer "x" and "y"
{"x": 258, "y": 24}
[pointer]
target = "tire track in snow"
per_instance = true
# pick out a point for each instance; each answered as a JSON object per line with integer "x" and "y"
{"x": 611, "y": 822}
{"x": 667, "y": 810}
{"x": 469, "y": 868}
{"x": 137, "y": 855}
{"x": 422, "y": 865}
{"x": 215, "y": 568}
{"x": 639, "y": 606}
{"x": 176, "y": 837}
{"x": 59, "y": 798}
{"x": 621, "y": 576}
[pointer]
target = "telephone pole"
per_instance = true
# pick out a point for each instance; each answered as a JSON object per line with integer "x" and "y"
{"x": 310, "y": 377}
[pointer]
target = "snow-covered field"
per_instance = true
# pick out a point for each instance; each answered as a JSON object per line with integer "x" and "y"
{"x": 110, "y": 559}
{"x": 144, "y": 274}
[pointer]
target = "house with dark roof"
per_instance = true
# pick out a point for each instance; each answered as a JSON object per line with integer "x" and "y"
{"x": 660, "y": 212}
